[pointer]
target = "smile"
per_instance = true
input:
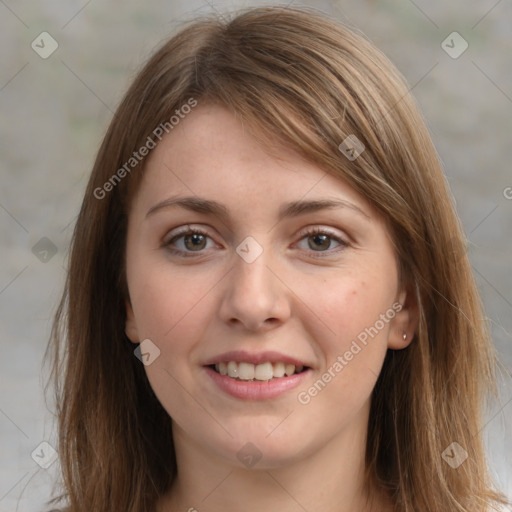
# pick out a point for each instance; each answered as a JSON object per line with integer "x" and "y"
{"x": 252, "y": 388}
{"x": 260, "y": 375}
{"x": 261, "y": 372}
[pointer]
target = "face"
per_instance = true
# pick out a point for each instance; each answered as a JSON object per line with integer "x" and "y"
{"x": 268, "y": 269}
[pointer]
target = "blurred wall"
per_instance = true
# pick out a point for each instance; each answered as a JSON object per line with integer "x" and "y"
{"x": 55, "y": 107}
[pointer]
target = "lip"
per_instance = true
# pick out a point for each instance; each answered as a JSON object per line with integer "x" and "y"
{"x": 256, "y": 390}
{"x": 242, "y": 356}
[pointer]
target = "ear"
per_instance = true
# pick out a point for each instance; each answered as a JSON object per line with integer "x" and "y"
{"x": 131, "y": 326}
{"x": 405, "y": 321}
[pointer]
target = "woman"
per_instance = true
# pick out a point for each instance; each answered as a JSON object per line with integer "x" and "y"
{"x": 268, "y": 303}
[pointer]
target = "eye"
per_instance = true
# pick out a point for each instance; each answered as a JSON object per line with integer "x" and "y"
{"x": 188, "y": 240}
{"x": 320, "y": 240}
{"x": 191, "y": 241}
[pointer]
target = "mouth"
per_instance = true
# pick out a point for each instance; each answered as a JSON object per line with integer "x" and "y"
{"x": 262, "y": 372}
{"x": 256, "y": 375}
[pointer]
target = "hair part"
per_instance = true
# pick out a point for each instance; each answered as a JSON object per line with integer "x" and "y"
{"x": 292, "y": 77}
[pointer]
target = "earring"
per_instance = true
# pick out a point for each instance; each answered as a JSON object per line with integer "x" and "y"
{"x": 404, "y": 336}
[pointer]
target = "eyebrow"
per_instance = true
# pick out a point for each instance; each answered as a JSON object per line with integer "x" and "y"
{"x": 292, "y": 209}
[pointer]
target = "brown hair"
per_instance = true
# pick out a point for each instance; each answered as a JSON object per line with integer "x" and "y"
{"x": 309, "y": 82}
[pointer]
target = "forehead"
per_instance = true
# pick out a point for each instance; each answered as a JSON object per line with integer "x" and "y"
{"x": 212, "y": 153}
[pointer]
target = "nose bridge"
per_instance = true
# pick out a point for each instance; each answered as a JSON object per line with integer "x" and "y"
{"x": 253, "y": 295}
{"x": 251, "y": 268}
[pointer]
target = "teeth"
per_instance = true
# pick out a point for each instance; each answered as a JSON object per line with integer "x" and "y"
{"x": 263, "y": 371}
{"x": 232, "y": 369}
{"x": 279, "y": 370}
{"x": 289, "y": 369}
{"x": 245, "y": 371}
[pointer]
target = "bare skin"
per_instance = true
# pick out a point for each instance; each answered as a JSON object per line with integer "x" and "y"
{"x": 307, "y": 296}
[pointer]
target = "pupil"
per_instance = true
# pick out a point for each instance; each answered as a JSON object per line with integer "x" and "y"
{"x": 324, "y": 241}
{"x": 196, "y": 239}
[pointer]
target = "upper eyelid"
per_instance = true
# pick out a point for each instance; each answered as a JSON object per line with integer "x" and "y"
{"x": 190, "y": 228}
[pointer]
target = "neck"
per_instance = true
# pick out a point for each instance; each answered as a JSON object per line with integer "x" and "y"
{"x": 330, "y": 479}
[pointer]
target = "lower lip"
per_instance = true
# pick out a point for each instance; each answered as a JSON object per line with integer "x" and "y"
{"x": 256, "y": 390}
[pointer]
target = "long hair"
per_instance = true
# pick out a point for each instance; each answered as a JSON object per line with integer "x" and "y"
{"x": 294, "y": 76}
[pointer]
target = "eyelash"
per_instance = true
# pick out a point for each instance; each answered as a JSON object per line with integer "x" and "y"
{"x": 311, "y": 232}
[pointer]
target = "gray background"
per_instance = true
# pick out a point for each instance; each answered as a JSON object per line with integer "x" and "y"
{"x": 53, "y": 114}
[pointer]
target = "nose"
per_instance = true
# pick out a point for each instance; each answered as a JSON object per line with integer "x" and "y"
{"x": 255, "y": 297}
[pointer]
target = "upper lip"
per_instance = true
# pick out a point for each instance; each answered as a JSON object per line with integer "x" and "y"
{"x": 242, "y": 356}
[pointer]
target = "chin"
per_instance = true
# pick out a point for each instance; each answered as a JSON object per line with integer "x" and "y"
{"x": 255, "y": 448}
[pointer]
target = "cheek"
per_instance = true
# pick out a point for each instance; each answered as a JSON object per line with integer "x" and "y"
{"x": 166, "y": 302}
{"x": 173, "y": 310}
{"x": 347, "y": 307}
{"x": 352, "y": 351}
{"x": 351, "y": 341}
